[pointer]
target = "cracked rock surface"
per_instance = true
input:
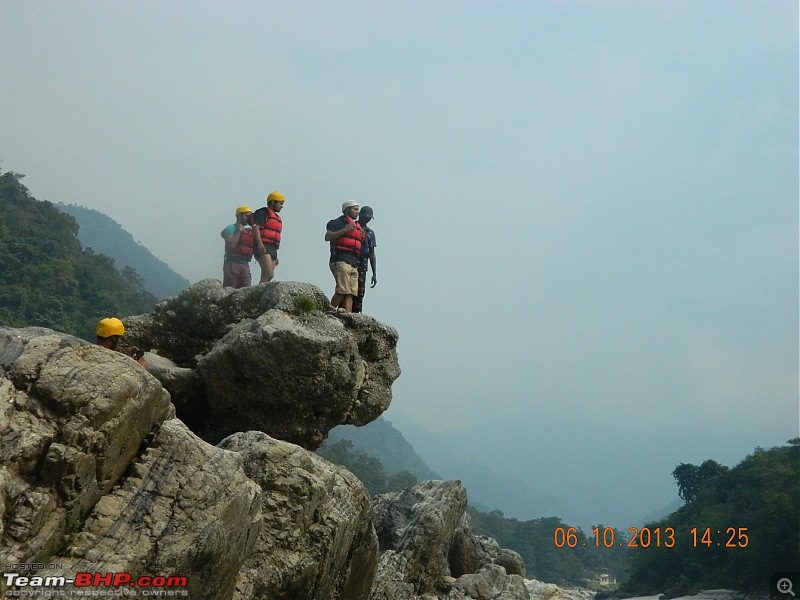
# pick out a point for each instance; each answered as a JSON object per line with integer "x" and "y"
{"x": 273, "y": 358}
{"x": 97, "y": 476}
{"x": 428, "y": 550}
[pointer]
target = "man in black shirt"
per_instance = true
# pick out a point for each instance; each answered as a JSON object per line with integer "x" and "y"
{"x": 368, "y": 260}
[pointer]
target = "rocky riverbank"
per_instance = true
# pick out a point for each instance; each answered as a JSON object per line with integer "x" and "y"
{"x": 202, "y": 466}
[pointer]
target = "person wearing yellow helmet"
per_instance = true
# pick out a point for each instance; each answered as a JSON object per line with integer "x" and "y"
{"x": 268, "y": 225}
{"x": 109, "y": 331}
{"x": 239, "y": 245}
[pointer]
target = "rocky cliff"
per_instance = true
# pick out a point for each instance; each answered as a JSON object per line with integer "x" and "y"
{"x": 270, "y": 358}
{"x": 200, "y": 467}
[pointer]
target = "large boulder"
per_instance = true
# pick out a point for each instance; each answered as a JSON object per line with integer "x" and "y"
{"x": 96, "y": 476}
{"x": 490, "y": 552}
{"x": 185, "y": 509}
{"x": 428, "y": 549}
{"x": 489, "y": 583}
{"x": 550, "y": 591}
{"x": 318, "y": 542}
{"x": 273, "y": 358}
{"x": 72, "y": 419}
{"x": 417, "y": 526}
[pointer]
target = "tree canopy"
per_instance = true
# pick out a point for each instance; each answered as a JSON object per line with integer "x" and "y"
{"x": 737, "y": 528}
{"x": 47, "y": 279}
{"x": 367, "y": 468}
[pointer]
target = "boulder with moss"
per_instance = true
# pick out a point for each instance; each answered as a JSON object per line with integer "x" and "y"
{"x": 274, "y": 358}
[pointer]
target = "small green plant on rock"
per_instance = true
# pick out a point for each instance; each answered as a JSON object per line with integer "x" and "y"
{"x": 306, "y": 304}
{"x": 71, "y": 532}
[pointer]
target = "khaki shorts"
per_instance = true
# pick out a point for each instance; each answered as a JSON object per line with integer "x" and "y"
{"x": 346, "y": 277}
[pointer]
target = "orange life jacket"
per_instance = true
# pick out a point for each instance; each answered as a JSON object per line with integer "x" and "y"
{"x": 244, "y": 247}
{"x": 271, "y": 229}
{"x": 350, "y": 241}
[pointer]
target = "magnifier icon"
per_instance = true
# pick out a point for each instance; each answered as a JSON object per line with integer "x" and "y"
{"x": 784, "y": 586}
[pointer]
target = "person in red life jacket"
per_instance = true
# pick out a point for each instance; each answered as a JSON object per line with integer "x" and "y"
{"x": 367, "y": 260}
{"x": 269, "y": 240}
{"x": 345, "y": 236}
{"x": 239, "y": 244}
{"x": 109, "y": 332}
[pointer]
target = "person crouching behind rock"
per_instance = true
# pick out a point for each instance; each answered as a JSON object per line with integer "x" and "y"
{"x": 345, "y": 236}
{"x": 109, "y": 332}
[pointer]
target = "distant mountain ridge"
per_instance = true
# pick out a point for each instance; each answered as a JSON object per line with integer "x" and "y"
{"x": 381, "y": 440}
{"x": 48, "y": 279}
{"x": 104, "y": 235}
{"x": 487, "y": 488}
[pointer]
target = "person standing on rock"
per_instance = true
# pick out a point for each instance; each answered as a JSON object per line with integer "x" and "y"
{"x": 239, "y": 245}
{"x": 269, "y": 224}
{"x": 345, "y": 236}
{"x": 367, "y": 258}
{"x": 109, "y": 332}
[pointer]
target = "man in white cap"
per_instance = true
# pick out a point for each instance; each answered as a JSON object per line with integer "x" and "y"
{"x": 345, "y": 236}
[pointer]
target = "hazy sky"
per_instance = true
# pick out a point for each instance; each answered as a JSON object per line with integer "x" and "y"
{"x": 587, "y": 212}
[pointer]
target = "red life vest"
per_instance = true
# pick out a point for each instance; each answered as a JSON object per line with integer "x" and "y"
{"x": 350, "y": 241}
{"x": 271, "y": 229}
{"x": 244, "y": 247}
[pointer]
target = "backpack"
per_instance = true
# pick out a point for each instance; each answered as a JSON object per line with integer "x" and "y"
{"x": 259, "y": 217}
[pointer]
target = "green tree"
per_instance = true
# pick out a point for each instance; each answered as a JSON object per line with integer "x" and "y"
{"x": 401, "y": 481}
{"x": 369, "y": 470}
{"x": 548, "y": 554}
{"x": 692, "y": 479}
{"x": 738, "y": 526}
{"x": 47, "y": 279}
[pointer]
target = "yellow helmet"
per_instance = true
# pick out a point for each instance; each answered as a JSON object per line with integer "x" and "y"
{"x": 243, "y": 209}
{"x": 108, "y": 327}
{"x": 275, "y": 197}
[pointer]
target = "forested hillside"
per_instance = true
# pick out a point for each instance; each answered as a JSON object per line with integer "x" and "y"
{"x": 104, "y": 235}
{"x": 738, "y": 527}
{"x": 556, "y": 552}
{"x": 380, "y": 456}
{"x": 381, "y": 440}
{"x": 48, "y": 279}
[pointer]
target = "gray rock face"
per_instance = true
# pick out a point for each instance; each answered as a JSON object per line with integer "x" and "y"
{"x": 428, "y": 549}
{"x": 417, "y": 527}
{"x": 258, "y": 359}
{"x": 550, "y": 591}
{"x": 318, "y": 542}
{"x": 72, "y": 418}
{"x": 490, "y": 583}
{"x": 491, "y": 553}
{"x": 186, "y": 508}
{"x": 95, "y": 475}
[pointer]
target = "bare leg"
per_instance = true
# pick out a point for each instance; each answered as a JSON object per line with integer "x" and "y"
{"x": 267, "y": 265}
{"x": 347, "y": 303}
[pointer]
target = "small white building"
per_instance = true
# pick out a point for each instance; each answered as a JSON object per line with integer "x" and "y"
{"x": 606, "y": 579}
